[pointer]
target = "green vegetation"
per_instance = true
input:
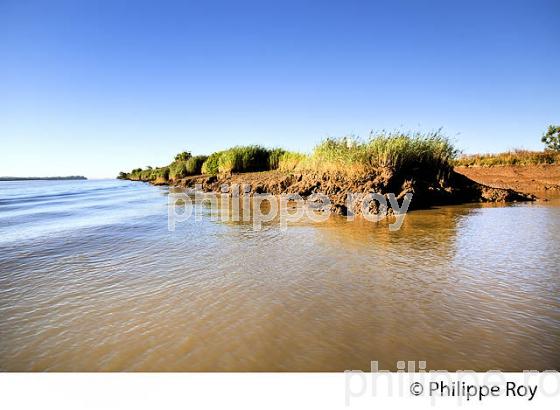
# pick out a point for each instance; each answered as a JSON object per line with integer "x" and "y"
{"x": 181, "y": 167}
{"x": 212, "y": 164}
{"x": 148, "y": 174}
{"x": 244, "y": 159}
{"x": 398, "y": 151}
{"x": 183, "y": 156}
{"x": 515, "y": 157}
{"x": 349, "y": 155}
{"x": 290, "y": 161}
{"x": 251, "y": 158}
{"x": 394, "y": 150}
{"x": 552, "y": 138}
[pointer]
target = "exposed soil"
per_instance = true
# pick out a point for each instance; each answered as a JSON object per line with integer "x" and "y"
{"x": 542, "y": 181}
{"x": 427, "y": 190}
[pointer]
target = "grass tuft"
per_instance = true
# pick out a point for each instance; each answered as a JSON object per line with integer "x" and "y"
{"x": 291, "y": 161}
{"x": 181, "y": 168}
{"x": 398, "y": 151}
{"x": 250, "y": 158}
{"x": 244, "y": 159}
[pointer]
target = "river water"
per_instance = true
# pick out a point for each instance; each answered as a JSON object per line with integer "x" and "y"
{"x": 92, "y": 279}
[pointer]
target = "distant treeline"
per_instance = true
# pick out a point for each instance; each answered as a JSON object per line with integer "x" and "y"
{"x": 348, "y": 155}
{"x": 41, "y": 178}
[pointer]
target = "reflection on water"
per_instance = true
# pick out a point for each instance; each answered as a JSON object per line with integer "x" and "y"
{"x": 91, "y": 279}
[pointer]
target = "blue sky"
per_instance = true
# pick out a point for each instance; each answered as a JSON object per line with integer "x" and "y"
{"x": 94, "y": 87}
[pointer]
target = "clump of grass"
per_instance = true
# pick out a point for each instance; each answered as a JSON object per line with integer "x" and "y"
{"x": 250, "y": 158}
{"x": 409, "y": 151}
{"x": 514, "y": 157}
{"x": 244, "y": 159}
{"x": 398, "y": 151}
{"x": 291, "y": 161}
{"x": 177, "y": 169}
{"x": 212, "y": 164}
{"x": 181, "y": 168}
{"x": 274, "y": 157}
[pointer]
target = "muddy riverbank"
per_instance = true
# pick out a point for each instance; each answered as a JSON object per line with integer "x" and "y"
{"x": 453, "y": 188}
{"x": 542, "y": 181}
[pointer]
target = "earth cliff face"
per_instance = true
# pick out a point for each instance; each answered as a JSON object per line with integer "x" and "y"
{"x": 543, "y": 181}
{"x": 452, "y": 188}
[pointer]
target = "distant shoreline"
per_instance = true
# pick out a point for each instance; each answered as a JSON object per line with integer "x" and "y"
{"x": 74, "y": 177}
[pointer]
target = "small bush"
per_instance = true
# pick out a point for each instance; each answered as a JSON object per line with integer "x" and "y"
{"x": 178, "y": 169}
{"x": 244, "y": 159}
{"x": 194, "y": 164}
{"x": 183, "y": 156}
{"x": 552, "y": 138}
{"x": 148, "y": 174}
{"x": 211, "y": 165}
{"x": 250, "y": 158}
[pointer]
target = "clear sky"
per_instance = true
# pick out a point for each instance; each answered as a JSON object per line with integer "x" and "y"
{"x": 95, "y": 87}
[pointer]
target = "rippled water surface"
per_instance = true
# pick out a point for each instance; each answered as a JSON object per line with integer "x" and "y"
{"x": 91, "y": 279}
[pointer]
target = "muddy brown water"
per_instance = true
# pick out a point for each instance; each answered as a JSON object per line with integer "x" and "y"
{"x": 91, "y": 279}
